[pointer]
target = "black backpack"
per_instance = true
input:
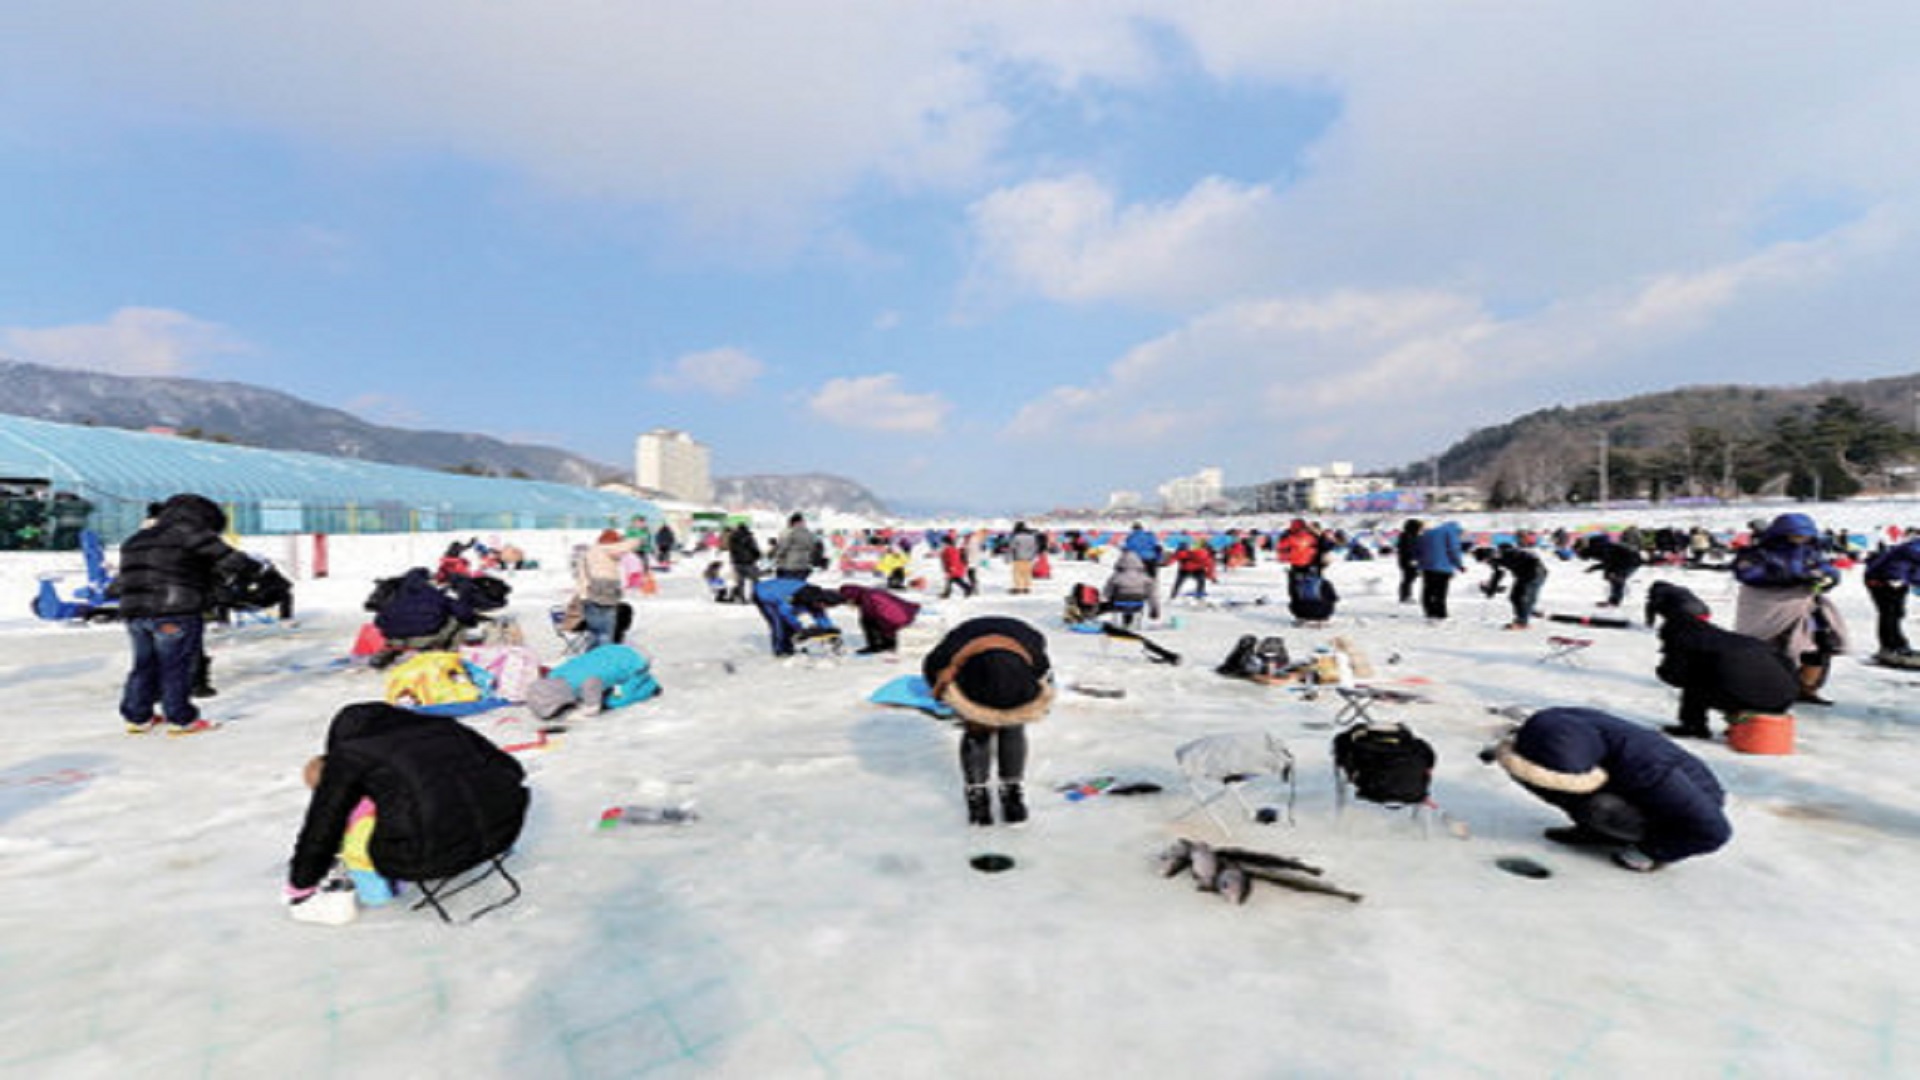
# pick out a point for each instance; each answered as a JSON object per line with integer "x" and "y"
{"x": 1386, "y": 763}
{"x": 1242, "y": 661}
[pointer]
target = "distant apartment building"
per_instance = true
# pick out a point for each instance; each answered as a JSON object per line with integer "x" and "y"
{"x": 1319, "y": 490}
{"x": 1186, "y": 494}
{"x": 674, "y": 464}
{"x": 1120, "y": 502}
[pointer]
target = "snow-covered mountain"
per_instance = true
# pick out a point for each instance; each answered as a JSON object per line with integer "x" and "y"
{"x": 255, "y": 416}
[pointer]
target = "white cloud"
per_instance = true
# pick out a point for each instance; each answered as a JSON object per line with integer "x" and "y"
{"x": 723, "y": 372}
{"x": 1069, "y": 239}
{"x": 133, "y": 341}
{"x": 878, "y": 403}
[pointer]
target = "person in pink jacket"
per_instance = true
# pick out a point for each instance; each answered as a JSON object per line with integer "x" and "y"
{"x": 882, "y": 616}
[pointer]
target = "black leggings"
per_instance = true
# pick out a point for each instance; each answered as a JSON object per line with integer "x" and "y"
{"x": 977, "y": 753}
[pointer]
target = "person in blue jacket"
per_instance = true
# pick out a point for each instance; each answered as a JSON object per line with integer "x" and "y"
{"x": 1625, "y": 786}
{"x": 1440, "y": 555}
{"x": 1786, "y": 597}
{"x": 783, "y": 601}
{"x": 1147, "y": 546}
{"x": 604, "y": 677}
{"x": 1892, "y": 573}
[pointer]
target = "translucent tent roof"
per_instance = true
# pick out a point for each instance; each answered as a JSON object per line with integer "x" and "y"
{"x": 120, "y": 471}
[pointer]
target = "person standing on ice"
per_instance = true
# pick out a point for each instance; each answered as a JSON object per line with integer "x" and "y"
{"x": 1625, "y": 786}
{"x": 793, "y": 552}
{"x": 165, "y": 585}
{"x": 1616, "y": 561}
{"x": 1406, "y": 552}
{"x": 1022, "y": 548}
{"x": 994, "y": 673}
{"x": 743, "y": 551}
{"x": 1891, "y": 573}
{"x": 601, "y": 592}
{"x": 1440, "y": 555}
{"x": 1786, "y": 587}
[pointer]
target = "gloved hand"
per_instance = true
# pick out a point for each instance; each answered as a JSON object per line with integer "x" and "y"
{"x": 332, "y": 903}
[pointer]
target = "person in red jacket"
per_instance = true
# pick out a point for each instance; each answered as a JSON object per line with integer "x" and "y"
{"x": 1194, "y": 561}
{"x": 882, "y": 616}
{"x": 953, "y": 560}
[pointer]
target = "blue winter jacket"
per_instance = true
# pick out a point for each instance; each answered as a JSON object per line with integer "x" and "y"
{"x": 1897, "y": 565}
{"x": 1675, "y": 791}
{"x": 1774, "y": 561}
{"x": 1144, "y": 544}
{"x": 624, "y": 674}
{"x": 1438, "y": 549}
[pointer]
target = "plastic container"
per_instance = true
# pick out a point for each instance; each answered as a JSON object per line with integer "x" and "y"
{"x": 1761, "y": 733}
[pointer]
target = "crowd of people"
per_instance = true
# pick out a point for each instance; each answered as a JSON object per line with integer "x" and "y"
{"x": 390, "y": 776}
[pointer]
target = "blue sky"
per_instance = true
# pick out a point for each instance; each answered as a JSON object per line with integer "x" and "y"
{"x": 991, "y": 255}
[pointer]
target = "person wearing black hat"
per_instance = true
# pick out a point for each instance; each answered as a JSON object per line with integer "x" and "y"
{"x": 1623, "y": 785}
{"x": 1714, "y": 668}
{"x": 994, "y": 673}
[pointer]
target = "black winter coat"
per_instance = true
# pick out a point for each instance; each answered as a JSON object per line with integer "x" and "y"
{"x": 169, "y": 567}
{"x": 742, "y": 548}
{"x": 959, "y": 637}
{"x": 418, "y": 608}
{"x": 445, "y": 797}
{"x": 1728, "y": 671}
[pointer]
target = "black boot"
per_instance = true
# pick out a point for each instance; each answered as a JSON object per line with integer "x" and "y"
{"x": 1579, "y": 836}
{"x": 1013, "y": 809}
{"x": 979, "y": 805}
{"x": 203, "y": 679}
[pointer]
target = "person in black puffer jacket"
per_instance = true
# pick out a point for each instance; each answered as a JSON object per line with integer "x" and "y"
{"x": 1713, "y": 667}
{"x": 165, "y": 585}
{"x": 446, "y": 799}
{"x": 417, "y": 614}
{"x": 1622, "y": 784}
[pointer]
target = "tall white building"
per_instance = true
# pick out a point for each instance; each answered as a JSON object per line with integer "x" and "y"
{"x": 674, "y": 463}
{"x": 1185, "y": 494}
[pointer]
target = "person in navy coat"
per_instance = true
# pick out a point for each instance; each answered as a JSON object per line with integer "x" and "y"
{"x": 1623, "y": 785}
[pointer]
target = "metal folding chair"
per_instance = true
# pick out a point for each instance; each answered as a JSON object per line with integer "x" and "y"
{"x": 433, "y": 893}
{"x": 1220, "y": 766}
{"x": 1565, "y": 650}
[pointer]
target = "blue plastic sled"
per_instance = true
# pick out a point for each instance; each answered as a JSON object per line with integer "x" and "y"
{"x": 911, "y": 692}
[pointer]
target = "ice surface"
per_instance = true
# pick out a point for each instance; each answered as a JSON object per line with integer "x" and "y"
{"x": 820, "y": 917}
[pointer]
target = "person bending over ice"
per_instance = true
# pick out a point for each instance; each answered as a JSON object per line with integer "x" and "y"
{"x": 1624, "y": 786}
{"x": 1714, "y": 668}
{"x": 994, "y": 673}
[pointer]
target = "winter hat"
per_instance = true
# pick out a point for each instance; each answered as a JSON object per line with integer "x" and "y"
{"x": 607, "y": 536}
{"x": 546, "y": 697}
{"x": 1787, "y": 526}
{"x": 998, "y": 688}
{"x": 1667, "y": 600}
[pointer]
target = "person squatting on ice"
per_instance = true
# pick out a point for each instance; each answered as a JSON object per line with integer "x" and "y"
{"x": 165, "y": 585}
{"x": 994, "y": 673}
{"x": 1624, "y": 786}
{"x": 1714, "y": 668}
{"x": 444, "y": 799}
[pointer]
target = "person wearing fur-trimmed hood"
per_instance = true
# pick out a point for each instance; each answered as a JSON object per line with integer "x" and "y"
{"x": 1622, "y": 784}
{"x": 994, "y": 673}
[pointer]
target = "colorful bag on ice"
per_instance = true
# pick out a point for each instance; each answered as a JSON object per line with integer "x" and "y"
{"x": 431, "y": 678}
{"x": 505, "y": 671}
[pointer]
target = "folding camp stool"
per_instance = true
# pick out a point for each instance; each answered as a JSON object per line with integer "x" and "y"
{"x": 818, "y": 641}
{"x": 1219, "y": 766}
{"x": 1128, "y": 612}
{"x": 433, "y": 893}
{"x": 573, "y": 642}
{"x": 1356, "y": 703}
{"x": 1565, "y": 650}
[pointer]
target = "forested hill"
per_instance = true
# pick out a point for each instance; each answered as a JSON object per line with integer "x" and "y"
{"x": 1826, "y": 439}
